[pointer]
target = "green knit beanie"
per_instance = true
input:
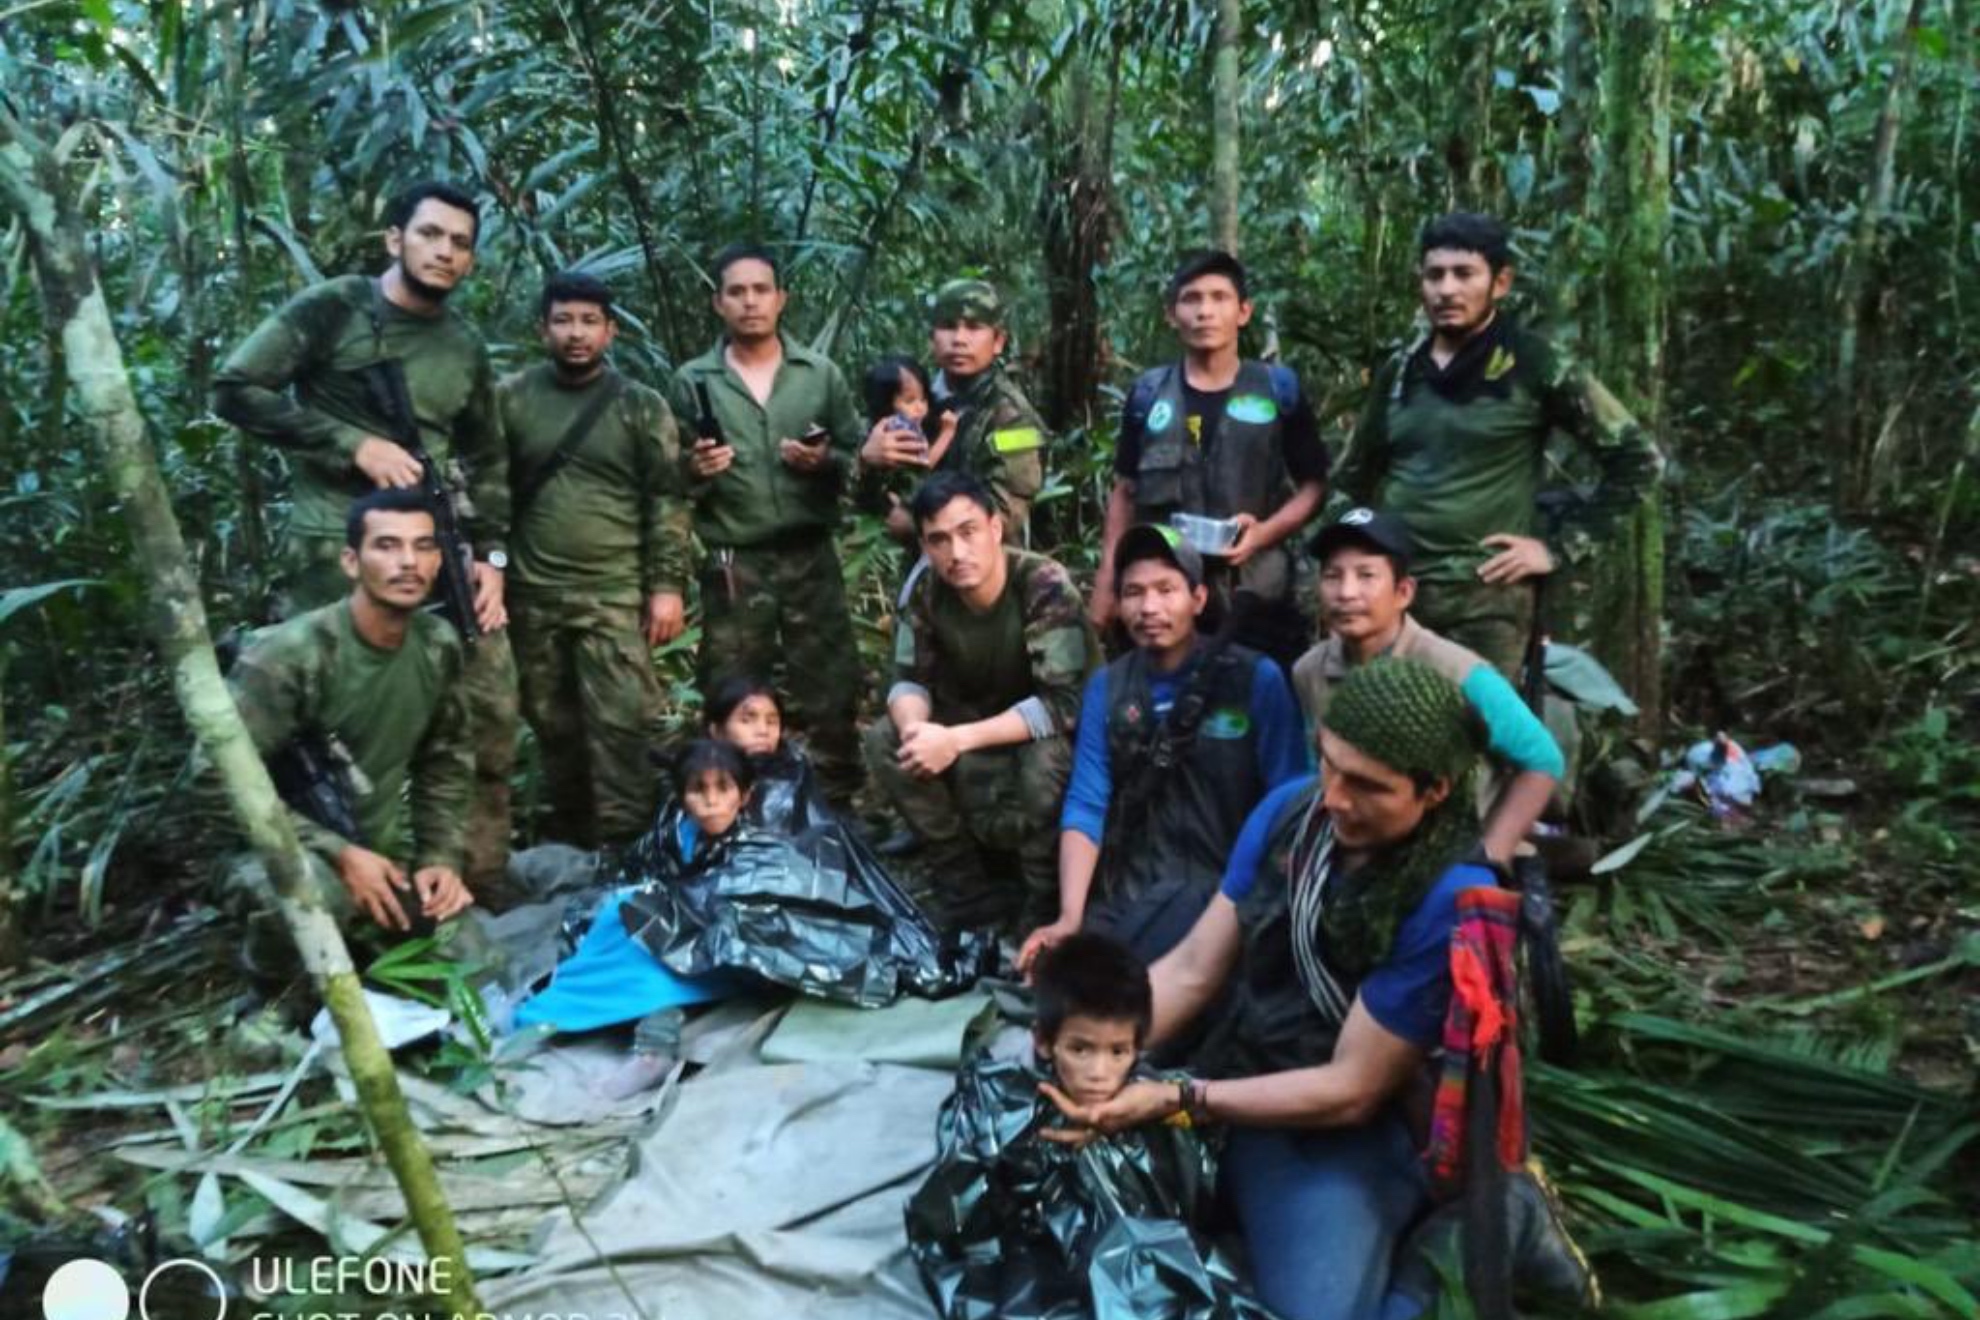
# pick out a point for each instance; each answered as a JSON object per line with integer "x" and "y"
{"x": 1407, "y": 716}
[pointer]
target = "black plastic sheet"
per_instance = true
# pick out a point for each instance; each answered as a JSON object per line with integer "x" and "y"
{"x": 1010, "y": 1225}
{"x": 796, "y": 898}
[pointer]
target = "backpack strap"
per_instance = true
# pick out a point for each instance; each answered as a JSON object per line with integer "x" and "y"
{"x": 573, "y": 439}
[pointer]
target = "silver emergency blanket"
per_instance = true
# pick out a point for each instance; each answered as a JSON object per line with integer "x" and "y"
{"x": 1013, "y": 1226}
{"x": 795, "y": 897}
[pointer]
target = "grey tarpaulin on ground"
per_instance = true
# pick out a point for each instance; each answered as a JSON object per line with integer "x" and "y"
{"x": 1007, "y": 1225}
{"x": 763, "y": 1193}
{"x": 811, "y": 908}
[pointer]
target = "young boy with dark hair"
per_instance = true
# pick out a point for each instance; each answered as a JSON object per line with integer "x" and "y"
{"x": 1020, "y": 1217}
{"x": 1094, "y": 1007}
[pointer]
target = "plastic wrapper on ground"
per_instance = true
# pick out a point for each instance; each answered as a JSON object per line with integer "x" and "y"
{"x": 1009, "y": 1225}
{"x": 811, "y": 909}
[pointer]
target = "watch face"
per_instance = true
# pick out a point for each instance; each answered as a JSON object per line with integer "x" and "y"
{"x": 497, "y": 559}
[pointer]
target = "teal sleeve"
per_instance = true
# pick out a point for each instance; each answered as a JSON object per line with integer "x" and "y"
{"x": 1516, "y": 734}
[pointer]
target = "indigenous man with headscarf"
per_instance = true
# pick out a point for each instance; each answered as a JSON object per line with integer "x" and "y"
{"x": 1327, "y": 955}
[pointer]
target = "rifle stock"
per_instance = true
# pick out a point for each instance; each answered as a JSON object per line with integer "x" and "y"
{"x": 386, "y": 381}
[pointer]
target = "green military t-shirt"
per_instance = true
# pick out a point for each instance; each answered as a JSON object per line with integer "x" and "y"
{"x": 1032, "y": 649}
{"x": 612, "y": 522}
{"x": 402, "y": 716}
{"x": 294, "y": 383}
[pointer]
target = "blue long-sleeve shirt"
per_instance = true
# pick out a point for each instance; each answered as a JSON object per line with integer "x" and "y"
{"x": 1283, "y": 751}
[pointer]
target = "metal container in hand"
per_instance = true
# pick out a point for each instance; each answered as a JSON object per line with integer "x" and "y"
{"x": 1206, "y": 536}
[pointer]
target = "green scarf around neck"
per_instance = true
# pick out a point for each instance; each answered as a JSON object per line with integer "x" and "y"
{"x": 1412, "y": 719}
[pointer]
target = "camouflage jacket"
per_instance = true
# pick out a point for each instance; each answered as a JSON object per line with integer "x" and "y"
{"x": 1031, "y": 651}
{"x": 401, "y": 715}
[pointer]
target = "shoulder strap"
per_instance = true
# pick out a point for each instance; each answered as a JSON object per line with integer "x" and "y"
{"x": 1217, "y": 660}
{"x": 1143, "y": 393}
{"x": 573, "y": 439}
{"x": 1285, "y": 386}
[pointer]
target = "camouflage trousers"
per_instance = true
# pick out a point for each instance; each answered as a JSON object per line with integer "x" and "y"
{"x": 268, "y": 952}
{"x": 311, "y": 578}
{"x": 590, "y": 693}
{"x": 783, "y": 607}
{"x": 1004, "y": 800}
{"x": 1493, "y": 621}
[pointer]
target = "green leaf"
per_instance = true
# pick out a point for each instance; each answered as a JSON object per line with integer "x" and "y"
{"x": 16, "y": 599}
{"x": 1754, "y": 1299}
{"x": 1918, "y": 1274}
{"x": 1623, "y": 856}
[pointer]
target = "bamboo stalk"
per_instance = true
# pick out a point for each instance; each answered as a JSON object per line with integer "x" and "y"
{"x": 34, "y": 187}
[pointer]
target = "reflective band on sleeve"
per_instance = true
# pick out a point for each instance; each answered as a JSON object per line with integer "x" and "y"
{"x": 1016, "y": 440}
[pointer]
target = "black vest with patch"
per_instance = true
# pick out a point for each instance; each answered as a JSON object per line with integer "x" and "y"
{"x": 1265, "y": 1021}
{"x": 1239, "y": 469}
{"x": 1182, "y": 789}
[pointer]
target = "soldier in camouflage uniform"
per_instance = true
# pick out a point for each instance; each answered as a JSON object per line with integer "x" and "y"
{"x": 601, "y": 564}
{"x": 376, "y": 682}
{"x": 1453, "y": 441}
{"x": 775, "y": 432}
{"x": 296, "y": 383}
{"x": 991, "y": 655}
{"x": 999, "y": 437}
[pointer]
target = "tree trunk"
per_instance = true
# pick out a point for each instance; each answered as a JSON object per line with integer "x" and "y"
{"x": 240, "y": 187}
{"x": 1078, "y": 220}
{"x": 33, "y": 187}
{"x": 1224, "y": 126}
{"x": 612, "y": 142}
{"x": 1636, "y": 201}
{"x": 1572, "y": 150}
{"x": 1851, "y": 439}
{"x": 10, "y": 898}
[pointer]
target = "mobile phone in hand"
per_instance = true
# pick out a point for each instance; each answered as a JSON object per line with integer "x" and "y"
{"x": 815, "y": 435}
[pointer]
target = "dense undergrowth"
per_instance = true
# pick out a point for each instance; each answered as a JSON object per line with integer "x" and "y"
{"x": 1773, "y": 1113}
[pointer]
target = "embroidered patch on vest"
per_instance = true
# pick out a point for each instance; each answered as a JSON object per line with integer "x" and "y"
{"x": 1253, "y": 408}
{"x": 1161, "y": 415}
{"x": 1226, "y": 723}
{"x": 1017, "y": 440}
{"x": 1131, "y": 713}
{"x": 1501, "y": 363}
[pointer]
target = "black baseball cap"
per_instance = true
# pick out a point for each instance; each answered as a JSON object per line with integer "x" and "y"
{"x": 1384, "y": 533}
{"x": 1153, "y": 541}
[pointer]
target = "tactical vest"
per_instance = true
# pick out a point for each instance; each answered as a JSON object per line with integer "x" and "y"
{"x": 1000, "y": 441}
{"x": 1242, "y": 471}
{"x": 1182, "y": 789}
{"x": 1266, "y": 1022}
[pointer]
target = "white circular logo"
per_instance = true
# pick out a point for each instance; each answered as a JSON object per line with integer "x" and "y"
{"x": 85, "y": 1289}
{"x": 1356, "y": 517}
{"x": 219, "y": 1297}
{"x": 1160, "y": 415}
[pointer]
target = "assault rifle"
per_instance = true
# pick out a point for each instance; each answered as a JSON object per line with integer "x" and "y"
{"x": 385, "y": 381}
{"x": 1540, "y": 935}
{"x": 315, "y": 775}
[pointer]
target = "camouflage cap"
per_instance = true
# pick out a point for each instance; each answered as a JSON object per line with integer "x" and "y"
{"x": 974, "y": 300}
